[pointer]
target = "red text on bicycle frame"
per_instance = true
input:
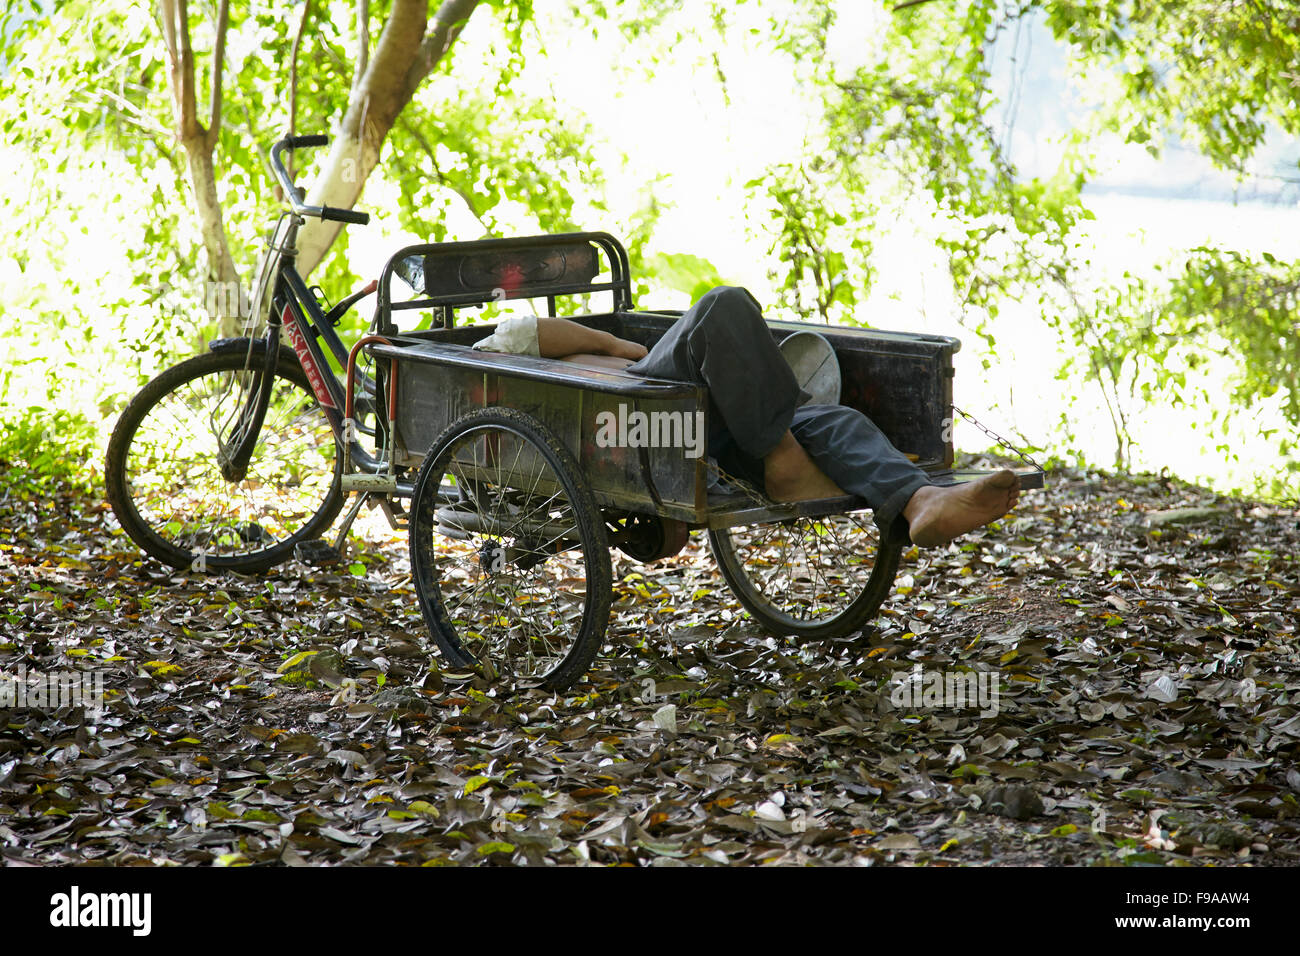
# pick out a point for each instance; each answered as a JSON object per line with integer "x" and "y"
{"x": 299, "y": 343}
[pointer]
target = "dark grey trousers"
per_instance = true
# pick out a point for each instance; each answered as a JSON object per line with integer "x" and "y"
{"x": 723, "y": 343}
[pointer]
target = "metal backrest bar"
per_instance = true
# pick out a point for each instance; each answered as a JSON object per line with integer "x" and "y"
{"x": 450, "y": 275}
{"x": 472, "y": 298}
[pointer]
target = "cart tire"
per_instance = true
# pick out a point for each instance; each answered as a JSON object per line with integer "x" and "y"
{"x": 163, "y": 480}
{"x": 508, "y": 551}
{"x": 813, "y": 578}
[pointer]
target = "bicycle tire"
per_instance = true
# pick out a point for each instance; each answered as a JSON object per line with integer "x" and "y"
{"x": 812, "y": 578}
{"x": 164, "y": 482}
{"x": 512, "y": 573}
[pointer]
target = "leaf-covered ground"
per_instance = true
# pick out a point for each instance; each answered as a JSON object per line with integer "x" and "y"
{"x": 1148, "y": 708}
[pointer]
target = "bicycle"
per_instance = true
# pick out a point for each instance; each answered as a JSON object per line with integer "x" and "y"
{"x": 233, "y": 458}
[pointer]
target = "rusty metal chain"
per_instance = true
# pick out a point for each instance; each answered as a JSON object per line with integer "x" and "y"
{"x": 1023, "y": 456}
{"x": 739, "y": 483}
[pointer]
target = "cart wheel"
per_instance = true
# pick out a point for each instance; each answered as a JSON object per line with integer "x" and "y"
{"x": 810, "y": 577}
{"x": 508, "y": 552}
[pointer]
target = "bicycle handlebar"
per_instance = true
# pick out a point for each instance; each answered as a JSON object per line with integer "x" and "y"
{"x": 316, "y": 139}
{"x": 332, "y": 213}
{"x": 345, "y": 215}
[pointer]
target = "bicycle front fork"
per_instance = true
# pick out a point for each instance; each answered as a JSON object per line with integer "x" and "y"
{"x": 235, "y": 452}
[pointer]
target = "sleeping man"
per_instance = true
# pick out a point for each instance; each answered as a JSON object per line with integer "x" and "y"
{"x": 760, "y": 425}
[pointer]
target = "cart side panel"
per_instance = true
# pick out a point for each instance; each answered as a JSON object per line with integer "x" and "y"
{"x": 599, "y": 429}
{"x": 619, "y": 441}
{"x": 429, "y": 398}
{"x": 909, "y": 397}
{"x": 902, "y": 381}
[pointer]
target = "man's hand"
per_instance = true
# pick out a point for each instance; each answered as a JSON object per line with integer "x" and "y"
{"x": 629, "y": 350}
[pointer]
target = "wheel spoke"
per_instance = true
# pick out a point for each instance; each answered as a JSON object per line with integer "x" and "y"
{"x": 807, "y": 576}
{"x": 511, "y": 573}
{"x": 170, "y": 495}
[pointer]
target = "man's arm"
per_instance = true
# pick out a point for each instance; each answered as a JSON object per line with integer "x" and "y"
{"x": 597, "y": 361}
{"x": 557, "y": 338}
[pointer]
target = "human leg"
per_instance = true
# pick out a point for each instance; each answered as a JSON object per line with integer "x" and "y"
{"x": 759, "y": 432}
{"x": 790, "y": 474}
{"x": 857, "y": 457}
{"x": 935, "y": 514}
{"x": 723, "y": 343}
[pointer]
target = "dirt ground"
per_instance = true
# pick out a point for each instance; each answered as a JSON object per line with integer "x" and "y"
{"x": 1141, "y": 635}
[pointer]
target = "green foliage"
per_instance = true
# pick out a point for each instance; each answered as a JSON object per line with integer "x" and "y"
{"x": 818, "y": 234}
{"x": 1252, "y": 305}
{"x": 1218, "y": 72}
{"x": 1215, "y": 308}
{"x": 43, "y": 448}
{"x": 100, "y": 80}
{"x": 684, "y": 272}
{"x": 97, "y": 109}
{"x": 913, "y": 129}
{"x": 499, "y": 155}
{"x": 910, "y": 132}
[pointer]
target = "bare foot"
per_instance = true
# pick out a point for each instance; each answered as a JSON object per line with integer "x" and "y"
{"x": 936, "y": 515}
{"x": 790, "y": 475}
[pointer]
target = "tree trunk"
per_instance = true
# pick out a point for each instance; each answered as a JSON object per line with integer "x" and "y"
{"x": 221, "y": 291}
{"x": 408, "y": 51}
{"x": 404, "y": 56}
{"x": 222, "y": 294}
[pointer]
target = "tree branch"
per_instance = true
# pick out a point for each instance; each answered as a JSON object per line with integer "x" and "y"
{"x": 180, "y": 58}
{"x": 408, "y": 48}
{"x": 218, "y": 67}
{"x": 189, "y": 111}
{"x": 381, "y": 94}
{"x": 450, "y": 19}
{"x": 909, "y": 3}
{"x": 466, "y": 197}
{"x": 293, "y": 78}
{"x": 167, "y": 13}
{"x": 363, "y": 45}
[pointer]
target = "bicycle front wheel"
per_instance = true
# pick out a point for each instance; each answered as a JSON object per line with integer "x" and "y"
{"x": 164, "y": 479}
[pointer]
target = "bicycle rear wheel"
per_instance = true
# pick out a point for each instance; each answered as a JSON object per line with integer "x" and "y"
{"x": 164, "y": 479}
{"x": 813, "y": 578}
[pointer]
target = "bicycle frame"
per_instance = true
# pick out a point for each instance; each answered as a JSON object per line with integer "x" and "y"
{"x": 294, "y": 311}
